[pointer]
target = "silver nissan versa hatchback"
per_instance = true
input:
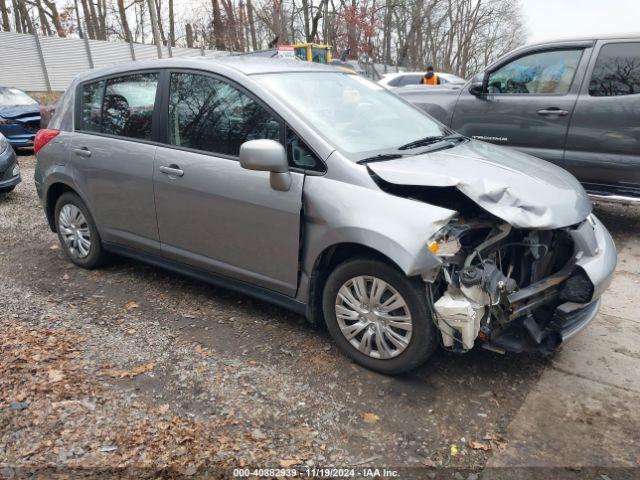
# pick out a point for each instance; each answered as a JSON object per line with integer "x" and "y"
{"x": 324, "y": 193}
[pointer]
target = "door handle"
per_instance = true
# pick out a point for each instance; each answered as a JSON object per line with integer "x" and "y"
{"x": 82, "y": 152}
{"x": 173, "y": 170}
{"x": 553, "y": 111}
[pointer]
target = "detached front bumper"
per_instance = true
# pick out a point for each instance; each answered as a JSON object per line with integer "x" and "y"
{"x": 542, "y": 317}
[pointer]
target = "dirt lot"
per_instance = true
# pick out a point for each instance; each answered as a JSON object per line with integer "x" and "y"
{"x": 134, "y": 370}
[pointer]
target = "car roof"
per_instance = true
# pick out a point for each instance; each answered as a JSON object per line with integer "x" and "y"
{"x": 244, "y": 64}
{"x": 592, "y": 38}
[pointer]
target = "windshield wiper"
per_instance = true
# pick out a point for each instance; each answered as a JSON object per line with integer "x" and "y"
{"x": 423, "y": 142}
{"x": 380, "y": 158}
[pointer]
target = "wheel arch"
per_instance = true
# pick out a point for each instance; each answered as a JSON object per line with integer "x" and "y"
{"x": 328, "y": 259}
{"x": 53, "y": 193}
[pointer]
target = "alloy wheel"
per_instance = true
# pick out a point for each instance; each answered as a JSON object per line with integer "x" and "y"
{"x": 74, "y": 231}
{"x": 373, "y": 317}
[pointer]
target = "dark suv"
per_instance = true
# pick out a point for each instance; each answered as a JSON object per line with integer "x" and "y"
{"x": 573, "y": 103}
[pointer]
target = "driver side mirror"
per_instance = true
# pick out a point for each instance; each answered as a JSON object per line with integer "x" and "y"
{"x": 267, "y": 156}
{"x": 477, "y": 85}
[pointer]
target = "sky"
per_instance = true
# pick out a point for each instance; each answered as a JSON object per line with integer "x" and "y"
{"x": 551, "y": 19}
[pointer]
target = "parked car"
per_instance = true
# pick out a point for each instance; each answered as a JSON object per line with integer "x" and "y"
{"x": 19, "y": 117}
{"x": 9, "y": 168}
{"x": 403, "y": 79}
{"x": 322, "y": 192}
{"x": 573, "y": 103}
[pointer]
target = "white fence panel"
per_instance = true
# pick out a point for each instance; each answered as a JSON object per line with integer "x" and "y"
{"x": 109, "y": 53}
{"x": 19, "y": 62}
{"x": 64, "y": 58}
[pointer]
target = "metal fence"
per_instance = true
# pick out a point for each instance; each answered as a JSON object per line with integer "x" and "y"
{"x": 37, "y": 63}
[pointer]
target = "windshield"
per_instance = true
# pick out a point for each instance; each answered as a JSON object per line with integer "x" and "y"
{"x": 356, "y": 116}
{"x": 13, "y": 96}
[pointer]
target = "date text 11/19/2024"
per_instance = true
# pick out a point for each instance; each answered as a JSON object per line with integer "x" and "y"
{"x": 316, "y": 472}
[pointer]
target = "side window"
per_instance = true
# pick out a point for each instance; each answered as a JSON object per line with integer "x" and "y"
{"x": 617, "y": 70}
{"x": 211, "y": 115}
{"x": 411, "y": 80}
{"x": 543, "y": 73}
{"x": 300, "y": 155}
{"x": 127, "y": 106}
{"x": 91, "y": 106}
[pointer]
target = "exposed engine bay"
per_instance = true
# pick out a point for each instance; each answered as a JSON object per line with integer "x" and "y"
{"x": 504, "y": 287}
{"x": 494, "y": 277}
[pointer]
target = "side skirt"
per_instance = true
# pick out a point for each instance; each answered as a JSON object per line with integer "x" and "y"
{"x": 218, "y": 280}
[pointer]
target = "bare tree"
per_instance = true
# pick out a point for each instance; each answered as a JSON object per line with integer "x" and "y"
{"x": 4, "y": 12}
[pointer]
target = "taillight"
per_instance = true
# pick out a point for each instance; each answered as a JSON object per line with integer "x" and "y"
{"x": 43, "y": 137}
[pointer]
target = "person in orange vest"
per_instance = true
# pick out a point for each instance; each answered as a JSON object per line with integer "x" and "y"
{"x": 430, "y": 78}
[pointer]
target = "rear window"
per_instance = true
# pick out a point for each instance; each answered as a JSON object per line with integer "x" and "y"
{"x": 617, "y": 70}
{"x": 121, "y": 106}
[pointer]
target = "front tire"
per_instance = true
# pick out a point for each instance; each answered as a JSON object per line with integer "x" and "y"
{"x": 77, "y": 232}
{"x": 378, "y": 316}
{"x": 7, "y": 190}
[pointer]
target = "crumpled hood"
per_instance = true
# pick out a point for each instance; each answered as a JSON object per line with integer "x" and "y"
{"x": 15, "y": 111}
{"x": 520, "y": 189}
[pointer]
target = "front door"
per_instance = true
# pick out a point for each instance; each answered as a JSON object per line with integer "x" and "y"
{"x": 213, "y": 214}
{"x": 528, "y": 104}
{"x": 114, "y": 158}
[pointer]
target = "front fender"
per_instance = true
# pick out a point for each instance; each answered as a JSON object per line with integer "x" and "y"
{"x": 338, "y": 212}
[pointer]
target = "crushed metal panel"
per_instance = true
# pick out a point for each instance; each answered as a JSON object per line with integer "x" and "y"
{"x": 520, "y": 189}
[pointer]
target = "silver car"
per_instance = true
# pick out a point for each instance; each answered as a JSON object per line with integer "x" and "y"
{"x": 324, "y": 193}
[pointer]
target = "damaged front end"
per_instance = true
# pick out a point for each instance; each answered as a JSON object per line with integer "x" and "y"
{"x": 523, "y": 263}
{"x": 513, "y": 289}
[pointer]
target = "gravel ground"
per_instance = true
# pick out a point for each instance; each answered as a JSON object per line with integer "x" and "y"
{"x": 134, "y": 370}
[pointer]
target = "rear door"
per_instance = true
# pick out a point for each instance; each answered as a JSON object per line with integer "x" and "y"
{"x": 213, "y": 214}
{"x": 112, "y": 152}
{"x": 603, "y": 144}
{"x": 528, "y": 102}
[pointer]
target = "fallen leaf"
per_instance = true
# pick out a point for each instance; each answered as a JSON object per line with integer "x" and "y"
{"x": 479, "y": 445}
{"x": 496, "y": 441}
{"x": 370, "y": 417}
{"x": 200, "y": 350}
{"x": 55, "y": 375}
{"x": 289, "y": 462}
{"x": 453, "y": 449}
{"x": 54, "y": 247}
{"x": 163, "y": 408}
{"x": 130, "y": 306}
{"x": 131, "y": 331}
{"x": 65, "y": 276}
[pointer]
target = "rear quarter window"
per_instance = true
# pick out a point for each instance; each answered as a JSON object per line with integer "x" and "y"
{"x": 121, "y": 106}
{"x": 91, "y": 106}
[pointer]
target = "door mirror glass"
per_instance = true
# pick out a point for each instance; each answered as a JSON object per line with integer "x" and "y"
{"x": 477, "y": 85}
{"x": 267, "y": 156}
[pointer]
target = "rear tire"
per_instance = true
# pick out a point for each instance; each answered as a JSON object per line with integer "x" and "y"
{"x": 395, "y": 319}
{"x": 77, "y": 232}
